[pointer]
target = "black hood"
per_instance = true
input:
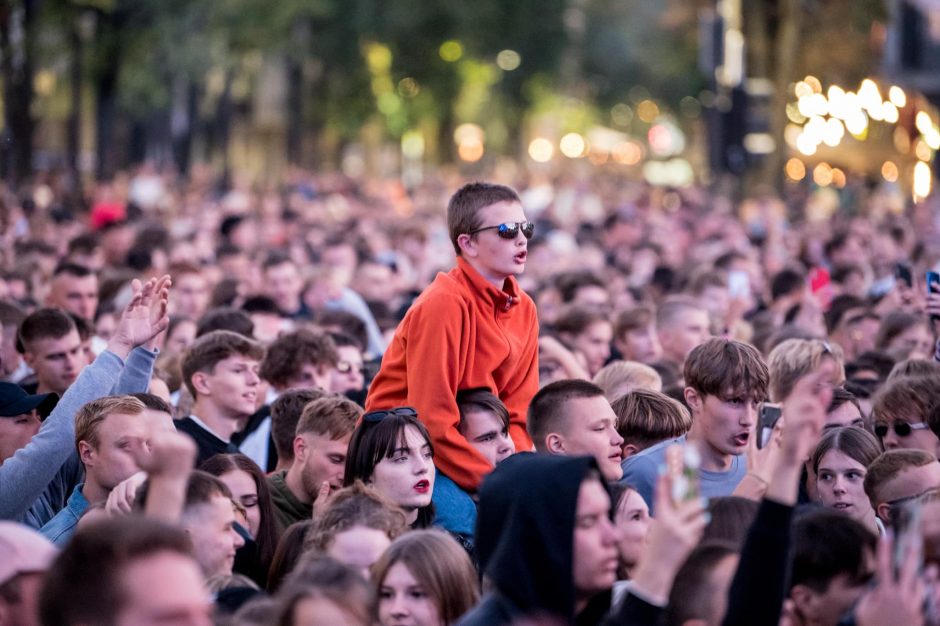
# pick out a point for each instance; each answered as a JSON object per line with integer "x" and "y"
{"x": 525, "y": 530}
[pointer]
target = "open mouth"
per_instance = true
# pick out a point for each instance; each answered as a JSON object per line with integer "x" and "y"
{"x": 422, "y": 486}
{"x": 741, "y": 439}
{"x": 521, "y": 257}
{"x": 841, "y": 506}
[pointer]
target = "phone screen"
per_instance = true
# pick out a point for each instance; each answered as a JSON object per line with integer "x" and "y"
{"x": 767, "y": 419}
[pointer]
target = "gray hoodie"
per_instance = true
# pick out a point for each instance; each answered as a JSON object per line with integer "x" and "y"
{"x": 35, "y": 482}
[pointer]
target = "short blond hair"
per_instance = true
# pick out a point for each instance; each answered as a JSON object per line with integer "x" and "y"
{"x": 621, "y": 377}
{"x": 89, "y": 418}
{"x": 795, "y": 358}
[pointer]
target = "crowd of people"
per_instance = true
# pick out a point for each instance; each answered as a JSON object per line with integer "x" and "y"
{"x": 582, "y": 402}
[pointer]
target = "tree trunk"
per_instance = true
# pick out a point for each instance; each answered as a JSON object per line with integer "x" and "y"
{"x": 16, "y": 66}
{"x": 74, "y": 124}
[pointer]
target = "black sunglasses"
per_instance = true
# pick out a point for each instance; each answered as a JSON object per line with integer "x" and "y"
{"x": 901, "y": 429}
{"x": 378, "y": 416}
{"x": 509, "y": 230}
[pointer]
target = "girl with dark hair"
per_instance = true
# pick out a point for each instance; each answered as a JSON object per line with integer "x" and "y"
{"x": 840, "y": 464}
{"x": 391, "y": 451}
{"x": 250, "y": 491}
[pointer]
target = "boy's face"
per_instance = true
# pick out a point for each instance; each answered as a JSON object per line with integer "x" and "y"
{"x": 487, "y": 433}
{"x": 492, "y": 256}
{"x": 589, "y": 430}
{"x": 726, "y": 423}
{"x": 57, "y": 361}
{"x": 232, "y": 385}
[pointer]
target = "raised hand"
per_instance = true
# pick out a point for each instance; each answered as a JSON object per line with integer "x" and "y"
{"x": 144, "y": 317}
{"x": 171, "y": 455}
{"x": 896, "y": 599}
{"x": 676, "y": 529}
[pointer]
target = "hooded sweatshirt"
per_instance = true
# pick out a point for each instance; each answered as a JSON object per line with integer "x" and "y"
{"x": 525, "y": 541}
{"x": 462, "y": 333}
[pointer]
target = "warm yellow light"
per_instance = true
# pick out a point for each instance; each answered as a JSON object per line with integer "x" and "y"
{"x": 793, "y": 113}
{"x": 902, "y": 141}
{"x": 857, "y": 123}
{"x": 791, "y": 133}
{"x": 922, "y": 151}
{"x": 815, "y": 104}
{"x": 470, "y": 151}
{"x": 806, "y": 144}
{"x": 814, "y": 84}
{"x": 932, "y": 139}
{"x": 889, "y": 171}
{"x": 541, "y": 150}
{"x": 889, "y": 112}
{"x": 833, "y": 133}
{"x": 412, "y": 144}
{"x": 627, "y": 153}
{"x": 870, "y": 96}
{"x": 802, "y": 89}
{"x": 572, "y": 145}
{"x": 922, "y": 180}
{"x": 822, "y": 175}
{"x": 923, "y": 122}
{"x": 795, "y": 169}
{"x": 897, "y": 97}
{"x": 838, "y": 178}
{"x": 598, "y": 157}
{"x": 647, "y": 111}
{"x": 468, "y": 132}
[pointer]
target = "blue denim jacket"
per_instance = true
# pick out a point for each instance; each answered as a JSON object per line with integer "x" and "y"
{"x": 60, "y": 528}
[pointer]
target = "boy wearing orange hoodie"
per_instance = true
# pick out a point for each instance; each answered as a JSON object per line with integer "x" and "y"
{"x": 472, "y": 327}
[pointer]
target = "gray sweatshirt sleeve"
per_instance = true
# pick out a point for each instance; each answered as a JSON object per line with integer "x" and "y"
{"x": 24, "y": 476}
{"x": 137, "y": 372}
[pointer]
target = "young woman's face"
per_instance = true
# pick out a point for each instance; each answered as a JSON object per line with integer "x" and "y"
{"x": 632, "y": 520}
{"x": 245, "y": 492}
{"x": 839, "y": 483}
{"x": 404, "y": 602}
{"x": 407, "y": 476}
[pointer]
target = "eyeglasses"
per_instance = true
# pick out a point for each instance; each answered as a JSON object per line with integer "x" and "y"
{"x": 901, "y": 429}
{"x": 377, "y": 416}
{"x": 345, "y": 367}
{"x": 509, "y": 230}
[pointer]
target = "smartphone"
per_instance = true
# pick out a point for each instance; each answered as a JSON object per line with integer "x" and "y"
{"x": 902, "y": 272}
{"x": 766, "y": 421}
{"x": 933, "y": 286}
{"x": 682, "y": 463}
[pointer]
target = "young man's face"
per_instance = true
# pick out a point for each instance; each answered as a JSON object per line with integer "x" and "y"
{"x": 595, "y": 555}
{"x": 907, "y": 483}
{"x": 211, "y": 526}
{"x": 311, "y": 376}
{"x": 119, "y": 435}
{"x": 640, "y": 344}
{"x": 689, "y": 329}
{"x": 162, "y": 588}
{"x": 487, "y": 433}
{"x": 916, "y": 438}
{"x": 190, "y": 295}
{"x": 322, "y": 460}
{"x": 827, "y": 608}
{"x": 232, "y": 385}
{"x": 347, "y": 374}
{"x": 588, "y": 429}
{"x": 283, "y": 284}
{"x": 56, "y": 361}
{"x": 594, "y": 345}
{"x": 724, "y": 424}
{"x": 16, "y": 432}
{"x": 492, "y": 256}
{"x": 75, "y": 294}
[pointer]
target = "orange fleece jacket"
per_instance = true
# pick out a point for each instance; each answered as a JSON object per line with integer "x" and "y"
{"x": 462, "y": 332}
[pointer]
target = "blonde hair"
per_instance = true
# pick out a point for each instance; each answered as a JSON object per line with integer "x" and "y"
{"x": 795, "y": 358}
{"x": 621, "y": 377}
{"x": 91, "y": 415}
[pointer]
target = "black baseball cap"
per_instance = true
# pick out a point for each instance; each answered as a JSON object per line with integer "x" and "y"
{"x": 15, "y": 401}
